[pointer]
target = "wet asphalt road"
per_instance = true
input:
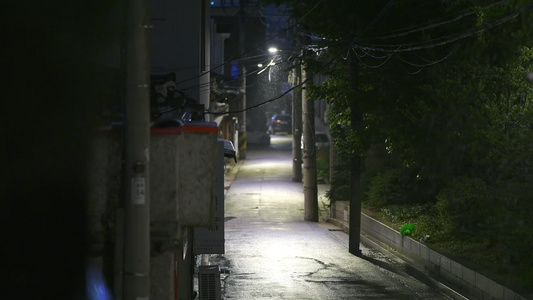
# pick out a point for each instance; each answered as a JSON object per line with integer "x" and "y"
{"x": 271, "y": 253}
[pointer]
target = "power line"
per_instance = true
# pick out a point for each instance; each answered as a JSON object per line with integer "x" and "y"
{"x": 238, "y": 57}
{"x": 379, "y": 16}
{"x": 398, "y": 48}
{"x": 386, "y": 59}
{"x": 435, "y": 42}
{"x": 434, "y": 25}
{"x": 277, "y": 97}
{"x": 238, "y": 75}
{"x": 430, "y": 63}
{"x": 309, "y": 11}
{"x": 165, "y": 70}
{"x": 440, "y": 41}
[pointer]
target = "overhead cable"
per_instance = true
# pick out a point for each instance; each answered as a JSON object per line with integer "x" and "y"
{"x": 437, "y": 24}
{"x": 277, "y": 97}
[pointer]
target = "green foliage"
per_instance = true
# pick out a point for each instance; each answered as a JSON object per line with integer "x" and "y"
{"x": 433, "y": 226}
{"x": 399, "y": 213}
{"x": 338, "y": 193}
{"x": 339, "y": 188}
{"x": 322, "y": 163}
{"x": 466, "y": 207}
{"x": 456, "y": 117}
{"x": 386, "y": 187}
{"x": 513, "y": 212}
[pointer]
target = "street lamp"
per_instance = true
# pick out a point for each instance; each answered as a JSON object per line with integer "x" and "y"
{"x": 271, "y": 63}
{"x": 273, "y": 50}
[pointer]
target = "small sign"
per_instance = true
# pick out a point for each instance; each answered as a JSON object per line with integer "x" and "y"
{"x": 138, "y": 191}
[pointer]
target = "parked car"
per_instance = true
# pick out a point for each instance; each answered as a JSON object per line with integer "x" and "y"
{"x": 229, "y": 150}
{"x": 280, "y": 123}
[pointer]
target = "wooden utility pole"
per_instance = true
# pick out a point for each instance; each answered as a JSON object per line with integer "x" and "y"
{"x": 355, "y": 170}
{"x": 242, "y": 50}
{"x": 136, "y": 271}
{"x": 297, "y": 124}
{"x": 309, "y": 152}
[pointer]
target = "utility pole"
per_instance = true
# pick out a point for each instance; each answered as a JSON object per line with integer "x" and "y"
{"x": 355, "y": 171}
{"x": 309, "y": 152}
{"x": 297, "y": 124}
{"x": 137, "y": 146}
{"x": 242, "y": 119}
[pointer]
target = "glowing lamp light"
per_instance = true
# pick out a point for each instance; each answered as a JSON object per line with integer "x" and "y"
{"x": 273, "y": 50}
{"x": 529, "y": 76}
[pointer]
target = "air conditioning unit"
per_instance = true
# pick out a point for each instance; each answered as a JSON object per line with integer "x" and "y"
{"x": 209, "y": 283}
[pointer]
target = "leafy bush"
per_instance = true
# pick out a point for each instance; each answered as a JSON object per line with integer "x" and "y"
{"x": 340, "y": 183}
{"x": 386, "y": 187}
{"x": 322, "y": 164}
{"x": 404, "y": 213}
{"x": 513, "y": 226}
{"x": 466, "y": 207}
{"x": 338, "y": 193}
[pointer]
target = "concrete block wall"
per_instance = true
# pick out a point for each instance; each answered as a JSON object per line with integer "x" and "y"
{"x": 104, "y": 184}
{"x": 464, "y": 280}
{"x": 340, "y": 210}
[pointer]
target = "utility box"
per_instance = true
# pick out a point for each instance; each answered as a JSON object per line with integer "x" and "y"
{"x": 209, "y": 283}
{"x": 211, "y": 240}
{"x": 183, "y": 163}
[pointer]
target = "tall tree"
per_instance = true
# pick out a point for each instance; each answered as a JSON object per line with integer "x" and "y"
{"x": 440, "y": 84}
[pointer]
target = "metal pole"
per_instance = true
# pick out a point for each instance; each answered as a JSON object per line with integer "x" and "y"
{"x": 137, "y": 142}
{"x": 309, "y": 153}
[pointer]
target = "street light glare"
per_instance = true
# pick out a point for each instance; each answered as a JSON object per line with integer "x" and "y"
{"x": 529, "y": 76}
{"x": 273, "y": 50}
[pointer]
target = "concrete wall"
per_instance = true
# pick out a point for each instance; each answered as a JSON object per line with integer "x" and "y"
{"x": 464, "y": 280}
{"x": 104, "y": 187}
{"x": 183, "y": 164}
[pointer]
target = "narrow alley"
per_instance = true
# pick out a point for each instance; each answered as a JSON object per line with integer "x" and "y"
{"x": 271, "y": 253}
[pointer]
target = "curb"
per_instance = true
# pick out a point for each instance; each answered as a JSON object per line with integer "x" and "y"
{"x": 436, "y": 267}
{"x": 416, "y": 271}
{"x": 231, "y": 170}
